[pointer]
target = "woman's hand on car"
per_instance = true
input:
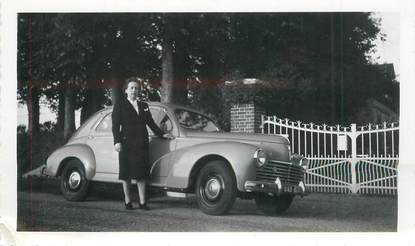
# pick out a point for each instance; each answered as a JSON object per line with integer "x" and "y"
{"x": 117, "y": 147}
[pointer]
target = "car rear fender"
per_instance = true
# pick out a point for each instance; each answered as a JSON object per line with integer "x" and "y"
{"x": 188, "y": 161}
{"x": 82, "y": 152}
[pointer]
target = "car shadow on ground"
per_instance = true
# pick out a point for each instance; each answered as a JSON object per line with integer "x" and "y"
{"x": 315, "y": 205}
{"x": 98, "y": 191}
{"x": 343, "y": 207}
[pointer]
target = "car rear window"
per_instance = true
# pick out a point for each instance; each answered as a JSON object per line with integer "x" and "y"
{"x": 192, "y": 120}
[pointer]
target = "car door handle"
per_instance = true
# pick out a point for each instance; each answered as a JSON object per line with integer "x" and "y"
{"x": 90, "y": 137}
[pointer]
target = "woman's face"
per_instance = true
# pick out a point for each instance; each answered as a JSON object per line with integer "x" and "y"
{"x": 132, "y": 90}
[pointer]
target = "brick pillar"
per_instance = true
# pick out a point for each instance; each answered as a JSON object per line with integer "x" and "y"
{"x": 246, "y": 118}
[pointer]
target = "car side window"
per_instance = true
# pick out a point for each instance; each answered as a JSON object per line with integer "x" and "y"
{"x": 165, "y": 124}
{"x": 154, "y": 113}
{"x": 105, "y": 125}
{"x": 161, "y": 119}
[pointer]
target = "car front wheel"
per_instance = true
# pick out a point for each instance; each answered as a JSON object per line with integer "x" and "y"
{"x": 215, "y": 188}
{"x": 273, "y": 204}
{"x": 74, "y": 185}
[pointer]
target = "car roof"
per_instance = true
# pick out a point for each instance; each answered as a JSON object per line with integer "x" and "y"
{"x": 92, "y": 120}
{"x": 174, "y": 106}
{"x": 171, "y": 106}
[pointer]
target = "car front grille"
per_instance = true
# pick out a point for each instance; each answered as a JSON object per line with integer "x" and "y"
{"x": 289, "y": 174}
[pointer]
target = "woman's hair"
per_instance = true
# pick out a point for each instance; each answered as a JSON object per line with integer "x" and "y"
{"x": 139, "y": 81}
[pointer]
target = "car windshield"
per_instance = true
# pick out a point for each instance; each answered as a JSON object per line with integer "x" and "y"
{"x": 195, "y": 121}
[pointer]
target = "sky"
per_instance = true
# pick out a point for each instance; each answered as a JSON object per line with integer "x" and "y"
{"x": 386, "y": 52}
{"x": 45, "y": 114}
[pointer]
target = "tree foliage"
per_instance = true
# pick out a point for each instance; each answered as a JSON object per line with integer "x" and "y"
{"x": 309, "y": 60}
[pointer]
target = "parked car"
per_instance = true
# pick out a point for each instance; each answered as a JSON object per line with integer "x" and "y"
{"x": 216, "y": 166}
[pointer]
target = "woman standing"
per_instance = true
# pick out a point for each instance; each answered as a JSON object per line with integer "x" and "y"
{"x": 129, "y": 119}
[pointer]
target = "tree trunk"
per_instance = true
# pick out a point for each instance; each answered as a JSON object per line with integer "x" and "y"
{"x": 116, "y": 91}
{"x": 167, "y": 65}
{"x": 87, "y": 105}
{"x": 332, "y": 71}
{"x": 33, "y": 124}
{"x": 69, "y": 126}
{"x": 116, "y": 86}
{"x": 94, "y": 99}
{"x": 180, "y": 90}
{"x": 61, "y": 112}
{"x": 33, "y": 111}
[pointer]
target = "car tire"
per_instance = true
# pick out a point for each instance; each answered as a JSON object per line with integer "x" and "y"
{"x": 74, "y": 185}
{"x": 273, "y": 204}
{"x": 215, "y": 188}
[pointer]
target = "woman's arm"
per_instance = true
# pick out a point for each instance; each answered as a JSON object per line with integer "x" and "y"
{"x": 150, "y": 121}
{"x": 116, "y": 123}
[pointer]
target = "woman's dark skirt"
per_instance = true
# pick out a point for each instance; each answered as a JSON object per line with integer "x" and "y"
{"x": 133, "y": 163}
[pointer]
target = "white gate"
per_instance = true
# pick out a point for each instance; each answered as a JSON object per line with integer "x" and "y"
{"x": 351, "y": 159}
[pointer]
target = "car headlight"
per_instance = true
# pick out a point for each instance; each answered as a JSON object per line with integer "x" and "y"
{"x": 303, "y": 163}
{"x": 299, "y": 161}
{"x": 261, "y": 157}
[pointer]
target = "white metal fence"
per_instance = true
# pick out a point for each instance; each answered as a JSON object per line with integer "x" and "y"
{"x": 350, "y": 159}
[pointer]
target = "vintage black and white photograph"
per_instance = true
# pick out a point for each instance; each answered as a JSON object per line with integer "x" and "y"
{"x": 272, "y": 121}
{"x": 200, "y": 121}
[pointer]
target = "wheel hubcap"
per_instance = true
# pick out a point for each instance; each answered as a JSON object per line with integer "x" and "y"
{"x": 213, "y": 188}
{"x": 74, "y": 180}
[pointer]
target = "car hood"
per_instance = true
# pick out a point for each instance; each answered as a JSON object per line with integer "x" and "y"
{"x": 243, "y": 137}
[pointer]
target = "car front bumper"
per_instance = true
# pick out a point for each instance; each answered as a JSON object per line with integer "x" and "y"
{"x": 276, "y": 187}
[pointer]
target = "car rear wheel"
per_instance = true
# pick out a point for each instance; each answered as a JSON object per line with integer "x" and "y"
{"x": 273, "y": 204}
{"x": 215, "y": 188}
{"x": 74, "y": 185}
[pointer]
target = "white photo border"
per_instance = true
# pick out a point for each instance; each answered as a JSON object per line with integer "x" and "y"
{"x": 8, "y": 116}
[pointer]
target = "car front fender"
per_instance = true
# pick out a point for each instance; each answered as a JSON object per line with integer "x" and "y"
{"x": 238, "y": 155}
{"x": 82, "y": 152}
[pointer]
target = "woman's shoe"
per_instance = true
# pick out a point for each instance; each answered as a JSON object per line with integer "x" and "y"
{"x": 128, "y": 206}
{"x": 144, "y": 207}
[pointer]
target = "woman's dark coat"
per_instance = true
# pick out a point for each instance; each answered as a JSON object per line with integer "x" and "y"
{"x": 129, "y": 129}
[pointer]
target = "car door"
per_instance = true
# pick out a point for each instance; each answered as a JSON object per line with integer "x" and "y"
{"x": 102, "y": 143}
{"x": 161, "y": 150}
